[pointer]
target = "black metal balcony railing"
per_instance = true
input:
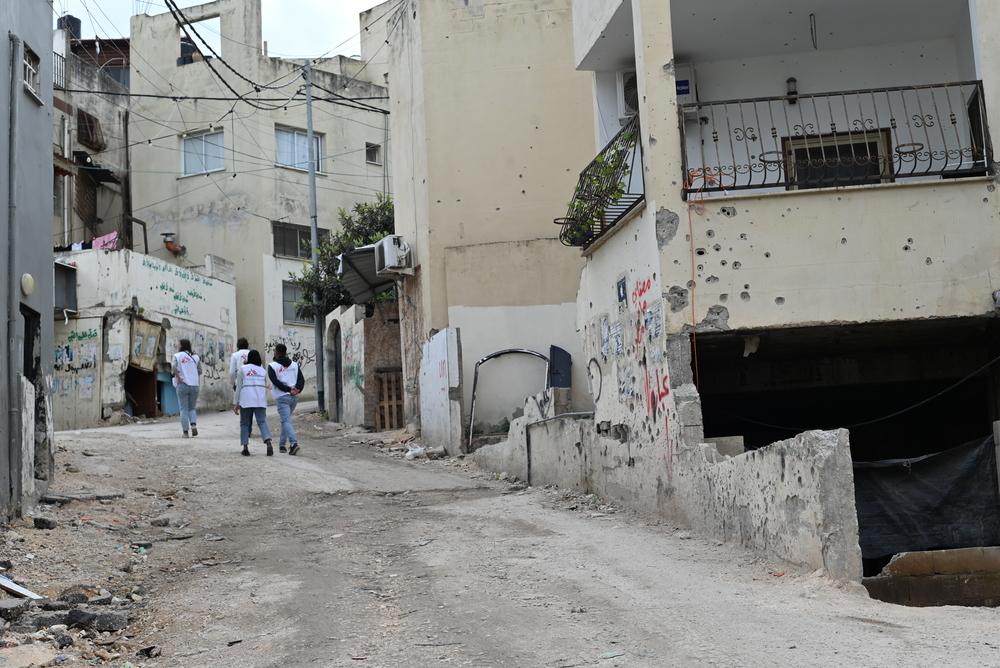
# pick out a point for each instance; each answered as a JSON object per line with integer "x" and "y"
{"x": 58, "y": 70}
{"x": 608, "y": 189}
{"x": 837, "y": 139}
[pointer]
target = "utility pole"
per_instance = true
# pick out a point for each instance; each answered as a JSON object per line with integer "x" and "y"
{"x": 314, "y": 238}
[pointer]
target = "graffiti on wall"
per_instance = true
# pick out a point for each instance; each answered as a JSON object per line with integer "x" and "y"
{"x": 354, "y": 367}
{"x": 212, "y": 346}
{"x": 75, "y": 362}
{"x": 300, "y": 349}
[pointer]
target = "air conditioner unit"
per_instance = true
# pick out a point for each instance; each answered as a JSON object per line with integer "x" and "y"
{"x": 628, "y": 96}
{"x": 687, "y": 87}
{"x": 392, "y": 256}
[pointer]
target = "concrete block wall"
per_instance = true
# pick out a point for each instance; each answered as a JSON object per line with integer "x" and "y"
{"x": 793, "y": 500}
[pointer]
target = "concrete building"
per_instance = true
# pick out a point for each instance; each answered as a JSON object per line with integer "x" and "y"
{"x": 89, "y": 143}
{"x": 790, "y": 225}
{"x": 26, "y": 464}
{"x": 492, "y": 125}
{"x": 113, "y": 355}
{"x": 229, "y": 178}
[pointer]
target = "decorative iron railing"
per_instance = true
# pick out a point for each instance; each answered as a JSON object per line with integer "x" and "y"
{"x": 58, "y": 70}
{"x": 608, "y": 189}
{"x": 837, "y": 139}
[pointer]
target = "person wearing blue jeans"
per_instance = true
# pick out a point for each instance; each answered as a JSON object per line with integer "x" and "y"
{"x": 251, "y": 397}
{"x": 286, "y": 385}
{"x": 187, "y": 368}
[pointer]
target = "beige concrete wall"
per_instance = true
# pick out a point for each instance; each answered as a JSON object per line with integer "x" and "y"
{"x": 229, "y": 213}
{"x": 854, "y": 255}
{"x": 496, "y": 126}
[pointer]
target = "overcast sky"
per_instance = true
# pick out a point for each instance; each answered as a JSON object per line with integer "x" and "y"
{"x": 292, "y": 28}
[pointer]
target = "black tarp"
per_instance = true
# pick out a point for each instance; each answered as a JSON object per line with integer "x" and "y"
{"x": 945, "y": 500}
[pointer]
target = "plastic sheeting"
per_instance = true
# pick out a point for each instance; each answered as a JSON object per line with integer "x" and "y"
{"x": 945, "y": 500}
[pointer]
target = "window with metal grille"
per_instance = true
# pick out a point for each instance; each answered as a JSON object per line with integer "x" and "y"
{"x": 294, "y": 240}
{"x": 826, "y": 161}
{"x": 203, "y": 153}
{"x": 293, "y": 148}
{"x": 290, "y": 294}
{"x": 88, "y": 131}
{"x": 373, "y": 153}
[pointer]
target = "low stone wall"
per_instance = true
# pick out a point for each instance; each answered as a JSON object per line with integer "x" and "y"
{"x": 793, "y": 500}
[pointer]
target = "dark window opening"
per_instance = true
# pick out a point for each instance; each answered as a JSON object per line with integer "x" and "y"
{"x": 827, "y": 161}
{"x": 294, "y": 240}
{"x": 88, "y": 131}
{"x": 193, "y": 47}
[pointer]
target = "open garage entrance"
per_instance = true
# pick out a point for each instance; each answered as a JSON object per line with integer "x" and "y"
{"x": 918, "y": 397}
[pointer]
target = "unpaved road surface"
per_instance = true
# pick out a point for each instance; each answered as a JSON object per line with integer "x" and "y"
{"x": 349, "y": 556}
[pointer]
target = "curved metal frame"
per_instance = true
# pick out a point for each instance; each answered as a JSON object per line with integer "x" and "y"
{"x": 475, "y": 378}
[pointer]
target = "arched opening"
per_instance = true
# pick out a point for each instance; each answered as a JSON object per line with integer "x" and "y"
{"x": 334, "y": 371}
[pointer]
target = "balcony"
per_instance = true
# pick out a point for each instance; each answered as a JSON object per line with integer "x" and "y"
{"x": 58, "y": 70}
{"x": 829, "y": 140}
{"x": 609, "y": 188}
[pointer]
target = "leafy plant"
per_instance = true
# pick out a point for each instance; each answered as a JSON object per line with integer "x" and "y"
{"x": 601, "y": 185}
{"x": 321, "y": 290}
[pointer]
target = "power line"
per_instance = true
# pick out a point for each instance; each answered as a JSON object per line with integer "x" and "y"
{"x": 884, "y": 417}
{"x": 216, "y": 98}
{"x": 180, "y": 24}
{"x": 257, "y": 86}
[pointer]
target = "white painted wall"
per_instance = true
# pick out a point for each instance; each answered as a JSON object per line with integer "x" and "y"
{"x": 590, "y": 18}
{"x": 504, "y": 382}
{"x": 440, "y": 378}
{"x": 300, "y": 339}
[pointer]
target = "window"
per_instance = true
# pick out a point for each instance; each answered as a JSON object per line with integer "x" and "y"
{"x": 57, "y": 194}
{"x": 294, "y": 240}
{"x": 373, "y": 154}
{"x": 88, "y": 131}
{"x": 293, "y": 148}
{"x": 203, "y": 153}
{"x": 827, "y": 161}
{"x": 32, "y": 64}
{"x": 290, "y": 294}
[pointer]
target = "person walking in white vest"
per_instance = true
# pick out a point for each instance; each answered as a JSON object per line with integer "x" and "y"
{"x": 286, "y": 385}
{"x": 236, "y": 362}
{"x": 187, "y": 369}
{"x": 251, "y": 401}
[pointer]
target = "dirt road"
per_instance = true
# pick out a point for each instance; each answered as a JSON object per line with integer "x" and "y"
{"x": 347, "y": 555}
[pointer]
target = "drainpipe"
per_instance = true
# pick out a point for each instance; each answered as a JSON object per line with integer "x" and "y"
{"x": 67, "y": 183}
{"x": 13, "y": 377}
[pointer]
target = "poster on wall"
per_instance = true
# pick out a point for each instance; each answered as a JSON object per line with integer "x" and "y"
{"x": 145, "y": 337}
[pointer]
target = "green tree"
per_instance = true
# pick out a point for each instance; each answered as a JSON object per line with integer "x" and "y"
{"x": 321, "y": 290}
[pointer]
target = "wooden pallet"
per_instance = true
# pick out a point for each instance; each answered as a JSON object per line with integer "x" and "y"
{"x": 389, "y": 410}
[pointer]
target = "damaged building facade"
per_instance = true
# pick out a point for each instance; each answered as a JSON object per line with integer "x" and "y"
{"x": 209, "y": 179}
{"x": 474, "y": 186}
{"x": 787, "y": 284}
{"x": 112, "y": 354}
{"x": 89, "y": 144}
{"x": 26, "y": 456}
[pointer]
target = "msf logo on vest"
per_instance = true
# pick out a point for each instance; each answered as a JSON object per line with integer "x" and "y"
{"x": 252, "y": 373}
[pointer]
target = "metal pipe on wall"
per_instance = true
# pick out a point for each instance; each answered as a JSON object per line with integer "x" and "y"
{"x": 13, "y": 303}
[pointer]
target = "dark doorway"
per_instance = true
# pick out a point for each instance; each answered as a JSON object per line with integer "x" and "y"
{"x": 140, "y": 392}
